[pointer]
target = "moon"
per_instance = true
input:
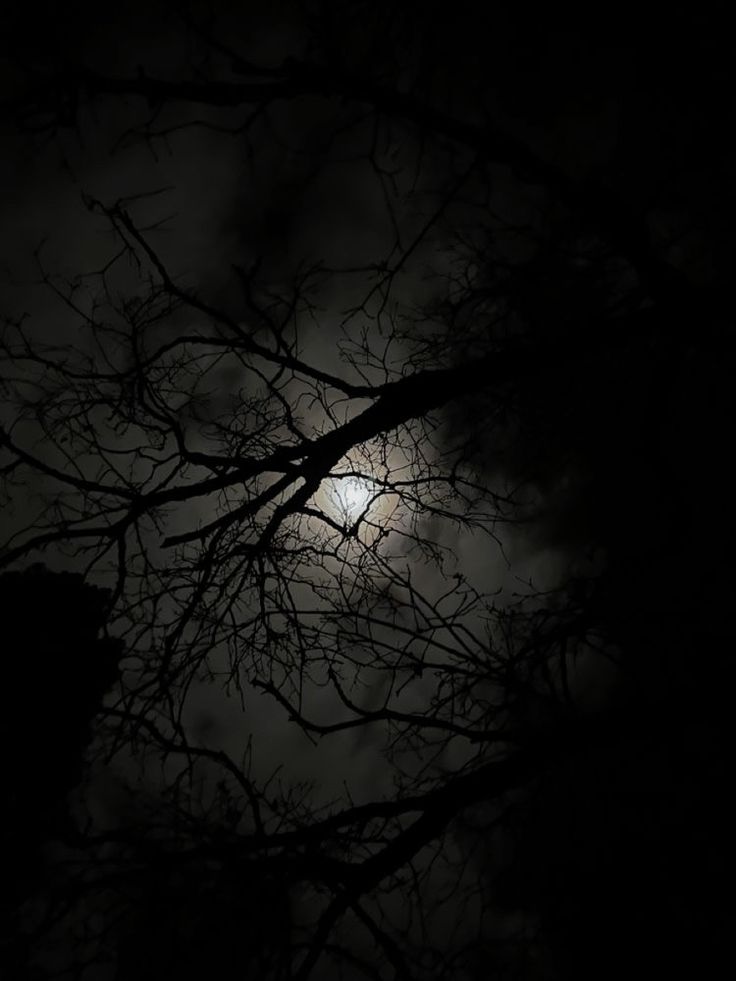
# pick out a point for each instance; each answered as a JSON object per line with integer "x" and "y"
{"x": 354, "y": 495}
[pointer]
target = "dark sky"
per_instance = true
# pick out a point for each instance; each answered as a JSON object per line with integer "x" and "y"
{"x": 589, "y": 244}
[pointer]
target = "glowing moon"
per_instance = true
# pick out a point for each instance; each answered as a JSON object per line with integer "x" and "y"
{"x": 354, "y": 495}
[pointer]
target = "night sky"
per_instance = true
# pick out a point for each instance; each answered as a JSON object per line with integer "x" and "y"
{"x": 365, "y": 533}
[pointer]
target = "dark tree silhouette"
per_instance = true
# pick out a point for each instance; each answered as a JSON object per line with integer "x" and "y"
{"x": 56, "y": 670}
{"x": 467, "y": 313}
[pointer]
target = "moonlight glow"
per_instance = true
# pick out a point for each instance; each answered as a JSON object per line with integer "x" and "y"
{"x": 353, "y": 495}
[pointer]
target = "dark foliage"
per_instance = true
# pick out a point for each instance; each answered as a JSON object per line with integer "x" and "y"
{"x": 56, "y": 668}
